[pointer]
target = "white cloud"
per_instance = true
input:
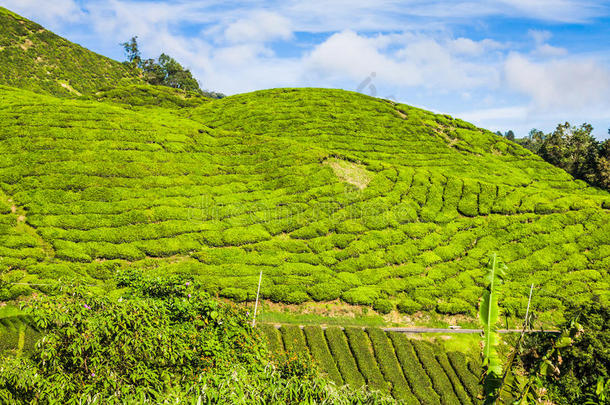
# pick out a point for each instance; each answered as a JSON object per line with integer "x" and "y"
{"x": 466, "y": 46}
{"x": 561, "y": 83}
{"x": 47, "y": 13}
{"x": 542, "y": 48}
{"x": 261, "y": 26}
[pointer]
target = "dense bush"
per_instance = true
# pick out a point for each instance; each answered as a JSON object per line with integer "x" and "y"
{"x": 361, "y": 348}
{"x": 383, "y": 306}
{"x": 440, "y": 381}
{"x": 413, "y": 371}
{"x": 346, "y": 364}
{"x": 408, "y": 306}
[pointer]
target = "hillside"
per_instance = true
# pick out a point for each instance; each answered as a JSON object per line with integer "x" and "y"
{"x": 34, "y": 58}
{"x": 102, "y": 187}
{"x": 334, "y": 195}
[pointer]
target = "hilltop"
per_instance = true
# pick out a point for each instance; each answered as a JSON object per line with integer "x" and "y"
{"x": 334, "y": 195}
{"x": 34, "y": 58}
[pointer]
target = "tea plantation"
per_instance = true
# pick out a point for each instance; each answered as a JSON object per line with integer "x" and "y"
{"x": 332, "y": 194}
{"x": 89, "y": 186}
{"x": 32, "y": 57}
{"x": 411, "y": 370}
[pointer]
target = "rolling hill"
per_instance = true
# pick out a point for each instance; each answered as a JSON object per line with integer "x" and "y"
{"x": 34, "y": 58}
{"x": 332, "y": 194}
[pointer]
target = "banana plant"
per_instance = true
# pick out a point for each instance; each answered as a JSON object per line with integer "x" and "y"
{"x": 489, "y": 314}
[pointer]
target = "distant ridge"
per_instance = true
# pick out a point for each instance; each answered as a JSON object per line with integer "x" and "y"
{"x": 34, "y": 58}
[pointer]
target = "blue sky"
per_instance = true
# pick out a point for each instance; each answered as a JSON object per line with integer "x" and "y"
{"x": 502, "y": 64}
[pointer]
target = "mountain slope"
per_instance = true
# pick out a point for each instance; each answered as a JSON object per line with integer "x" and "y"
{"x": 34, "y": 58}
{"x": 109, "y": 187}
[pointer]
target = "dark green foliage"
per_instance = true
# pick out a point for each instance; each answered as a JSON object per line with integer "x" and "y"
{"x": 343, "y": 356}
{"x": 383, "y": 306}
{"x": 316, "y": 342}
{"x": 164, "y": 333}
{"x": 461, "y": 393}
{"x": 360, "y": 345}
{"x": 574, "y": 149}
{"x": 469, "y": 380}
{"x": 441, "y": 383}
{"x": 389, "y": 366}
{"x": 294, "y": 340}
{"x": 412, "y": 369}
{"x": 578, "y": 370}
{"x": 274, "y": 340}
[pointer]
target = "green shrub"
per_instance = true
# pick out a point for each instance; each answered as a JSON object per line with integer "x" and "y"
{"x": 360, "y": 345}
{"x": 440, "y": 381}
{"x": 325, "y": 291}
{"x": 346, "y": 364}
{"x": 469, "y": 380}
{"x": 274, "y": 340}
{"x": 412, "y": 369}
{"x": 364, "y": 295}
{"x": 316, "y": 341}
{"x": 383, "y": 306}
{"x": 463, "y": 397}
{"x": 294, "y": 340}
{"x": 245, "y": 235}
{"x": 455, "y": 306}
{"x": 236, "y": 294}
{"x": 389, "y": 366}
{"x": 408, "y": 306}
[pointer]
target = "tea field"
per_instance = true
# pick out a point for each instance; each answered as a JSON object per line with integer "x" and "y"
{"x": 332, "y": 194}
{"x": 89, "y": 186}
{"x": 413, "y": 371}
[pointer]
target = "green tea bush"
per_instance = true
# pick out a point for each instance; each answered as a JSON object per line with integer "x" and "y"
{"x": 383, "y": 306}
{"x": 389, "y": 366}
{"x": 326, "y": 291}
{"x": 408, "y": 306}
{"x": 360, "y": 345}
{"x": 455, "y": 306}
{"x": 443, "y": 360}
{"x": 294, "y": 340}
{"x": 363, "y": 295}
{"x": 346, "y": 364}
{"x": 273, "y": 338}
{"x": 245, "y": 235}
{"x": 469, "y": 380}
{"x": 316, "y": 341}
{"x": 439, "y": 378}
{"x": 235, "y": 294}
{"x": 412, "y": 369}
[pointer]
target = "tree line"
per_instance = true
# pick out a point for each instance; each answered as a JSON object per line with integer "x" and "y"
{"x": 572, "y": 148}
{"x": 163, "y": 71}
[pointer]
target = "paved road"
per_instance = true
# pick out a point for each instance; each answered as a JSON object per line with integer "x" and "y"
{"x": 439, "y": 330}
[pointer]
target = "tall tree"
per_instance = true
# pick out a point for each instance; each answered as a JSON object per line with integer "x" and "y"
{"x": 165, "y": 71}
{"x": 573, "y": 149}
{"x": 603, "y": 164}
{"x": 132, "y": 52}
